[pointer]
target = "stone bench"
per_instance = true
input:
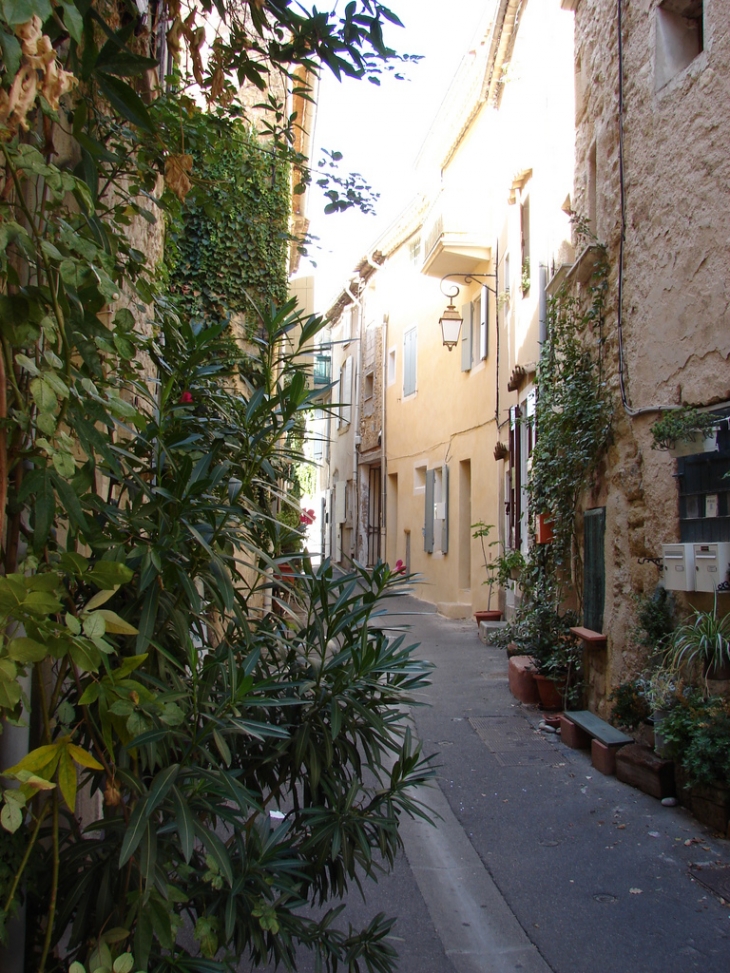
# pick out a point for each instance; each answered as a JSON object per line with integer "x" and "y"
{"x": 581, "y": 729}
{"x": 642, "y": 768}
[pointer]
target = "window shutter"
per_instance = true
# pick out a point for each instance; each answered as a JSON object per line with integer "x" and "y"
{"x": 346, "y": 391}
{"x": 340, "y": 502}
{"x": 594, "y": 568}
{"x": 466, "y": 337}
{"x": 484, "y": 324}
{"x": 428, "y": 514}
{"x": 409, "y": 362}
{"x": 445, "y": 499}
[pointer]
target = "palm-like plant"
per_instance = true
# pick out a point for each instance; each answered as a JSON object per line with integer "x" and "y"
{"x": 703, "y": 640}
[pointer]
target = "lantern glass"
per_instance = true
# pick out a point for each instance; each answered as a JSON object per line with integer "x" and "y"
{"x": 450, "y": 322}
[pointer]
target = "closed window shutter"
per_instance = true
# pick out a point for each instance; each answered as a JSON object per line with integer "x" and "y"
{"x": 466, "y": 337}
{"x": 346, "y": 391}
{"x": 428, "y": 514}
{"x": 409, "y": 362}
{"x": 594, "y": 568}
{"x": 445, "y": 499}
{"x": 484, "y": 324}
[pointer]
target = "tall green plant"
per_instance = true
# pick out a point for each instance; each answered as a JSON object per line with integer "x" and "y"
{"x": 193, "y": 712}
{"x": 142, "y": 459}
{"x": 573, "y": 418}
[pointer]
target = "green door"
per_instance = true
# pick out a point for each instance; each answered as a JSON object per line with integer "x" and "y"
{"x": 594, "y": 568}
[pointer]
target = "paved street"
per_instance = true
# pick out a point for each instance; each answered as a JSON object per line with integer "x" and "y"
{"x": 538, "y": 863}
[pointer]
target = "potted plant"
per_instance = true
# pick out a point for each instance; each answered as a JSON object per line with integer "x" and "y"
{"x": 481, "y": 531}
{"x": 543, "y": 632}
{"x": 685, "y": 431}
{"x": 696, "y": 732}
{"x": 702, "y": 642}
{"x": 509, "y": 566}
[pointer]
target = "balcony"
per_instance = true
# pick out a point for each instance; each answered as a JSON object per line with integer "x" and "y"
{"x": 456, "y": 234}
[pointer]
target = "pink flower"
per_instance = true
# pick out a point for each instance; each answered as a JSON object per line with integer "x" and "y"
{"x": 186, "y": 398}
{"x": 399, "y": 568}
{"x": 307, "y": 517}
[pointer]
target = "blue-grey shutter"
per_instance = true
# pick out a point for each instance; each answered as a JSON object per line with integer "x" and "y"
{"x": 445, "y": 498}
{"x": 594, "y": 568}
{"x": 428, "y": 513}
{"x": 484, "y": 324}
{"x": 466, "y": 337}
{"x": 409, "y": 362}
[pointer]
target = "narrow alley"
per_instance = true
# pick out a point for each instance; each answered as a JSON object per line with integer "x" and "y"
{"x": 539, "y": 863}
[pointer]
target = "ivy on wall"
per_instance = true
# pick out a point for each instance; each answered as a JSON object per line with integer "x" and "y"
{"x": 573, "y": 414}
{"x": 227, "y": 244}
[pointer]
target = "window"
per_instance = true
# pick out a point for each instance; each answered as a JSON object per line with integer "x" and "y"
{"x": 369, "y": 386}
{"x": 679, "y": 38}
{"x": 419, "y": 479}
{"x": 436, "y": 511}
{"x": 345, "y": 393}
{"x": 414, "y": 251}
{"x": 409, "y": 361}
{"x": 525, "y": 245}
{"x": 391, "y": 366}
{"x": 350, "y": 322}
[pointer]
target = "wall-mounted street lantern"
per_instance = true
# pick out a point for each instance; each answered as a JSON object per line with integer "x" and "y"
{"x": 451, "y": 321}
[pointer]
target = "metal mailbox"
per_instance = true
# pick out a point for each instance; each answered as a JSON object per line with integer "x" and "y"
{"x": 678, "y": 563}
{"x": 712, "y": 563}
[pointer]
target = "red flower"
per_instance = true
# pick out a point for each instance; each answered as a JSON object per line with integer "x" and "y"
{"x": 399, "y": 568}
{"x": 186, "y": 398}
{"x": 307, "y": 517}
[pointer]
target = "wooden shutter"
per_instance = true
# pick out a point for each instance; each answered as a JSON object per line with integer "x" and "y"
{"x": 445, "y": 499}
{"x": 484, "y": 324}
{"x": 594, "y": 568}
{"x": 428, "y": 513}
{"x": 409, "y": 361}
{"x": 466, "y": 337}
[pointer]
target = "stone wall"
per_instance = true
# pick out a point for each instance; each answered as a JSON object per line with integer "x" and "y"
{"x": 674, "y": 313}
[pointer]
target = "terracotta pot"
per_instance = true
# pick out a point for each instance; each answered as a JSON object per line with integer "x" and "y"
{"x": 551, "y": 694}
{"x": 488, "y": 616}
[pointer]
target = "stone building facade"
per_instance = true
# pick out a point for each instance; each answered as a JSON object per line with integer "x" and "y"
{"x": 653, "y": 178}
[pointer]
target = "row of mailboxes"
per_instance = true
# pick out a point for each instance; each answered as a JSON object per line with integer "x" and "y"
{"x": 695, "y": 567}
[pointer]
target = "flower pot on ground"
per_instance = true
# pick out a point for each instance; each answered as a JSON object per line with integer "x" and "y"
{"x": 552, "y": 694}
{"x": 492, "y": 615}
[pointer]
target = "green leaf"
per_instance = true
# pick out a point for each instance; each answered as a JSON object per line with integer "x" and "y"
{"x": 73, "y": 20}
{"x": 160, "y": 786}
{"x": 11, "y": 817}
{"x": 134, "y": 832}
{"x": 67, "y": 780}
{"x": 116, "y": 625}
{"x": 123, "y": 963}
{"x": 85, "y": 655}
{"x": 25, "y": 650}
{"x": 110, "y": 574}
{"x": 126, "y": 101}
{"x": 94, "y": 626}
{"x": 43, "y": 395}
{"x": 185, "y": 823}
{"x": 21, "y": 11}
{"x": 11, "y": 52}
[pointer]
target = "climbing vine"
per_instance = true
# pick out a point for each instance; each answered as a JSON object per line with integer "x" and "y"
{"x": 573, "y": 415}
{"x": 227, "y": 244}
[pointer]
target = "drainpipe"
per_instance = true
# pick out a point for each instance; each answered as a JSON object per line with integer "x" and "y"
{"x": 356, "y": 437}
{"x": 383, "y": 453}
{"x": 543, "y": 325}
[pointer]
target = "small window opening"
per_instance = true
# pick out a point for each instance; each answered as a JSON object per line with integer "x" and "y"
{"x": 679, "y": 37}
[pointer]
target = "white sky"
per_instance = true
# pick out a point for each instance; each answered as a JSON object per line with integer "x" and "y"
{"x": 380, "y": 129}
